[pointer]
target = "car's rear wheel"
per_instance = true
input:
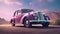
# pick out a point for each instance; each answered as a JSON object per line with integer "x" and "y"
{"x": 45, "y": 25}
{"x": 27, "y": 24}
{"x": 13, "y": 23}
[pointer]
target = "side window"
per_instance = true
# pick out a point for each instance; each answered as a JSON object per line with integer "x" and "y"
{"x": 19, "y": 12}
{"x": 15, "y": 14}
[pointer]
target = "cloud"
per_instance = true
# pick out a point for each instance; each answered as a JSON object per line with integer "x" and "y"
{"x": 44, "y": 0}
{"x": 38, "y": 4}
{"x": 50, "y": 0}
{"x": 0, "y": 0}
{"x": 11, "y": 2}
{"x": 18, "y": 3}
{"x": 40, "y": 0}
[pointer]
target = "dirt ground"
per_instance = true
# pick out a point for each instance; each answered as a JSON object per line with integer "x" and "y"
{"x": 35, "y": 29}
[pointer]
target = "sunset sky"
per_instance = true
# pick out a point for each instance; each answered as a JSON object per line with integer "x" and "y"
{"x": 7, "y": 7}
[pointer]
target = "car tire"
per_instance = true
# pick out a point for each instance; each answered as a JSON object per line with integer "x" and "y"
{"x": 27, "y": 24}
{"x": 45, "y": 25}
{"x": 13, "y": 23}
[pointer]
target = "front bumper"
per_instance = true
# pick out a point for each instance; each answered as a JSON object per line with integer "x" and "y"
{"x": 39, "y": 20}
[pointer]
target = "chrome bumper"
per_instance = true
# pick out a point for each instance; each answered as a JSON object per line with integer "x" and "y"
{"x": 40, "y": 20}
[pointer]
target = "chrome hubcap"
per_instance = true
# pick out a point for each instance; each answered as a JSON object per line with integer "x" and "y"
{"x": 27, "y": 22}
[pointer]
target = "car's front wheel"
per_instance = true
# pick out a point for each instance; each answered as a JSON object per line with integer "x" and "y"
{"x": 45, "y": 25}
{"x": 27, "y": 24}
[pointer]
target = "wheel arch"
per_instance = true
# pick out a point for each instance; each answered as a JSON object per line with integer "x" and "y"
{"x": 23, "y": 19}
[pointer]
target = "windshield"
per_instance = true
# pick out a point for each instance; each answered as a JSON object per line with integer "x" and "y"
{"x": 26, "y": 10}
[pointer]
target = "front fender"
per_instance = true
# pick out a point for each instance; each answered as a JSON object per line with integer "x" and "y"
{"x": 29, "y": 16}
{"x": 22, "y": 18}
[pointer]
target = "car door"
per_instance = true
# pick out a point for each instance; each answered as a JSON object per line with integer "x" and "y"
{"x": 16, "y": 16}
{"x": 19, "y": 16}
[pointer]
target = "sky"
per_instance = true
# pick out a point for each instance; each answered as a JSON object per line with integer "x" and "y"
{"x": 7, "y": 7}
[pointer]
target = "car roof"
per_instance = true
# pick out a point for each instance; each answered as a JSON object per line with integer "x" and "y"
{"x": 24, "y": 10}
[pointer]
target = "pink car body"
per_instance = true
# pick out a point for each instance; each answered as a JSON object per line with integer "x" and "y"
{"x": 35, "y": 17}
{"x": 20, "y": 17}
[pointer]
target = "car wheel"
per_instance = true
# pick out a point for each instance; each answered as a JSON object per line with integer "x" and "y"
{"x": 45, "y": 25}
{"x": 27, "y": 24}
{"x": 13, "y": 23}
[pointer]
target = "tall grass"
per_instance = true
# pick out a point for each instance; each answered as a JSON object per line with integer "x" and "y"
{"x": 58, "y": 21}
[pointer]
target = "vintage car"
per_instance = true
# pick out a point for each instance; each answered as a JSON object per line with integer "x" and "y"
{"x": 29, "y": 17}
